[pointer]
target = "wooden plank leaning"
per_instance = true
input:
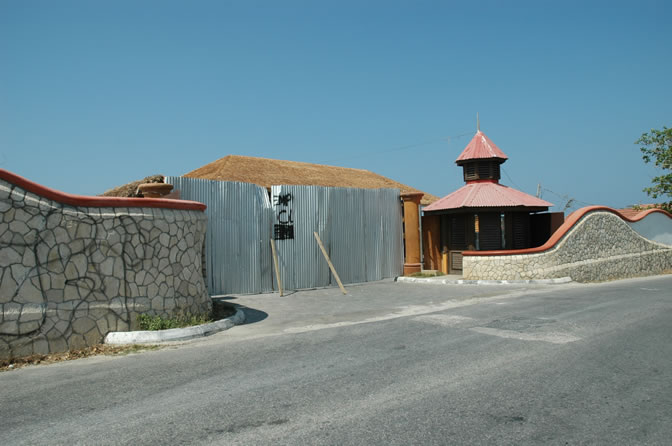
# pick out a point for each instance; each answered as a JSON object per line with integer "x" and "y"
{"x": 275, "y": 265}
{"x": 331, "y": 266}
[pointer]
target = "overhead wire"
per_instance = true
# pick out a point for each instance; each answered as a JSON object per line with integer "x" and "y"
{"x": 401, "y": 148}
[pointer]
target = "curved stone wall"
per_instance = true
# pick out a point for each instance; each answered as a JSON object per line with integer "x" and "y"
{"x": 595, "y": 244}
{"x": 70, "y": 273}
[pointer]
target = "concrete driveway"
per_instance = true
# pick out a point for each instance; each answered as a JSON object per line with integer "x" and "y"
{"x": 308, "y": 310}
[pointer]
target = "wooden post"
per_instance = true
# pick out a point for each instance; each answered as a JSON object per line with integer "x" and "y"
{"x": 444, "y": 263}
{"x": 331, "y": 266}
{"x": 275, "y": 265}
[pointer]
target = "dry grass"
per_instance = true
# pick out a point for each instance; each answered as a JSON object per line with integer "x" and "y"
{"x": 100, "y": 349}
{"x": 131, "y": 189}
{"x": 268, "y": 172}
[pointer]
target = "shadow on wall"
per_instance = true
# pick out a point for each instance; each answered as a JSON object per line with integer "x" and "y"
{"x": 70, "y": 274}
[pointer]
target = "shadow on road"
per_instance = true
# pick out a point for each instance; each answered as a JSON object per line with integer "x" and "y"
{"x": 252, "y": 316}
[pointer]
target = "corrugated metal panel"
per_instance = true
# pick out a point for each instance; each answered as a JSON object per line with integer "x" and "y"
{"x": 300, "y": 210}
{"x": 238, "y": 252}
{"x": 347, "y": 241}
{"x": 360, "y": 229}
{"x": 481, "y": 147}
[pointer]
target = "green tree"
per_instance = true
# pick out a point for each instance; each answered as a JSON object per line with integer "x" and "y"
{"x": 656, "y": 147}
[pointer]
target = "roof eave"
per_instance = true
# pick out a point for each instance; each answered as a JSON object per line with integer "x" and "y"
{"x": 475, "y": 209}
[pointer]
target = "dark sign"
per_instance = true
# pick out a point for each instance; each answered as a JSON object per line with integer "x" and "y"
{"x": 284, "y": 229}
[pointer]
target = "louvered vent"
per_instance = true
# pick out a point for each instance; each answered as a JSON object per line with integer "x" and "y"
{"x": 470, "y": 172}
{"x": 484, "y": 171}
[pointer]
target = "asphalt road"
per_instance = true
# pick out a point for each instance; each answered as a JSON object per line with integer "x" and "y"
{"x": 559, "y": 364}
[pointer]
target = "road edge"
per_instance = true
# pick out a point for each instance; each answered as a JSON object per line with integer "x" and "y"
{"x": 439, "y": 281}
{"x": 174, "y": 334}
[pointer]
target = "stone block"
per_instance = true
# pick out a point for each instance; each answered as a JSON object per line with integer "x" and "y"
{"x": 19, "y": 227}
{"x": 61, "y": 236}
{"x": 82, "y": 325}
{"x": 80, "y": 262}
{"x": 57, "y": 344}
{"x": 9, "y": 327}
{"x": 9, "y": 256}
{"x": 29, "y": 294}
{"x": 111, "y": 286}
{"x": 21, "y": 347}
{"x": 76, "y": 342}
{"x": 26, "y": 328}
{"x": 157, "y": 303}
{"x": 93, "y": 337}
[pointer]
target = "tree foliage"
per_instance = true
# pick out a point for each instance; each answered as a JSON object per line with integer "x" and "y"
{"x": 656, "y": 147}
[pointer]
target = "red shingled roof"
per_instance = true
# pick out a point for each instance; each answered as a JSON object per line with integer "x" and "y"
{"x": 479, "y": 194}
{"x": 480, "y": 147}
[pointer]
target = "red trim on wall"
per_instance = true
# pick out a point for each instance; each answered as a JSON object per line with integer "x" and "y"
{"x": 572, "y": 219}
{"x": 103, "y": 202}
{"x": 482, "y": 181}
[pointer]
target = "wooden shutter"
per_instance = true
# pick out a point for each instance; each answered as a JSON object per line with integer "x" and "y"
{"x": 490, "y": 236}
{"x": 521, "y": 230}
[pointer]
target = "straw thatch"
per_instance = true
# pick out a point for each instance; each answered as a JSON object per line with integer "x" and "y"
{"x": 267, "y": 172}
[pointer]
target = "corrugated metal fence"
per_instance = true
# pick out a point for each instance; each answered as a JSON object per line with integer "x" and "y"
{"x": 237, "y": 242}
{"x": 360, "y": 229}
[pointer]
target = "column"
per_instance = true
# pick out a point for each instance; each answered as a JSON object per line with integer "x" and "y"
{"x": 412, "y": 232}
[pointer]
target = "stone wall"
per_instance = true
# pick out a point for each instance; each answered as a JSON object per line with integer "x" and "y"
{"x": 69, "y": 273}
{"x": 595, "y": 244}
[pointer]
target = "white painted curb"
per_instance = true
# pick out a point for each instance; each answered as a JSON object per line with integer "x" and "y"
{"x": 438, "y": 281}
{"x": 174, "y": 334}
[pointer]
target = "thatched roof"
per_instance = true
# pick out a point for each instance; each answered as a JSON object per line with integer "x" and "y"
{"x": 268, "y": 172}
{"x": 131, "y": 189}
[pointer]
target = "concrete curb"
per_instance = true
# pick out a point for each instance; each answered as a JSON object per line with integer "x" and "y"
{"x": 174, "y": 334}
{"x": 438, "y": 281}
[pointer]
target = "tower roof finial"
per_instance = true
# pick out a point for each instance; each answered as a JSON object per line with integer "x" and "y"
{"x": 478, "y": 123}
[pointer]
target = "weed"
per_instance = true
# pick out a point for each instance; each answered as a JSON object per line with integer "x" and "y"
{"x": 147, "y": 322}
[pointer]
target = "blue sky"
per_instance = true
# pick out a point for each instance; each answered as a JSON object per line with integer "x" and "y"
{"x": 95, "y": 94}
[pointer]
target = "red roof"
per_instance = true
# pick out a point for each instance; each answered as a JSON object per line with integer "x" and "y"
{"x": 479, "y": 194}
{"x": 480, "y": 147}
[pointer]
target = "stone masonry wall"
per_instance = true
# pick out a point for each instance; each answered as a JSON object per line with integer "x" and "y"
{"x": 69, "y": 274}
{"x": 600, "y": 246}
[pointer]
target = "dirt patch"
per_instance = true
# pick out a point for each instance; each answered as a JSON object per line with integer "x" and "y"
{"x": 220, "y": 310}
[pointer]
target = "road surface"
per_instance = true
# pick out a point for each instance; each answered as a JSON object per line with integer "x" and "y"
{"x": 390, "y": 363}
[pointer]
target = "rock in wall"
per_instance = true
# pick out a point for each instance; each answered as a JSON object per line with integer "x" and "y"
{"x": 71, "y": 274}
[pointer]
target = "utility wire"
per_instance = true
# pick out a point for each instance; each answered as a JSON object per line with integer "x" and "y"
{"x": 569, "y": 201}
{"x": 509, "y": 177}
